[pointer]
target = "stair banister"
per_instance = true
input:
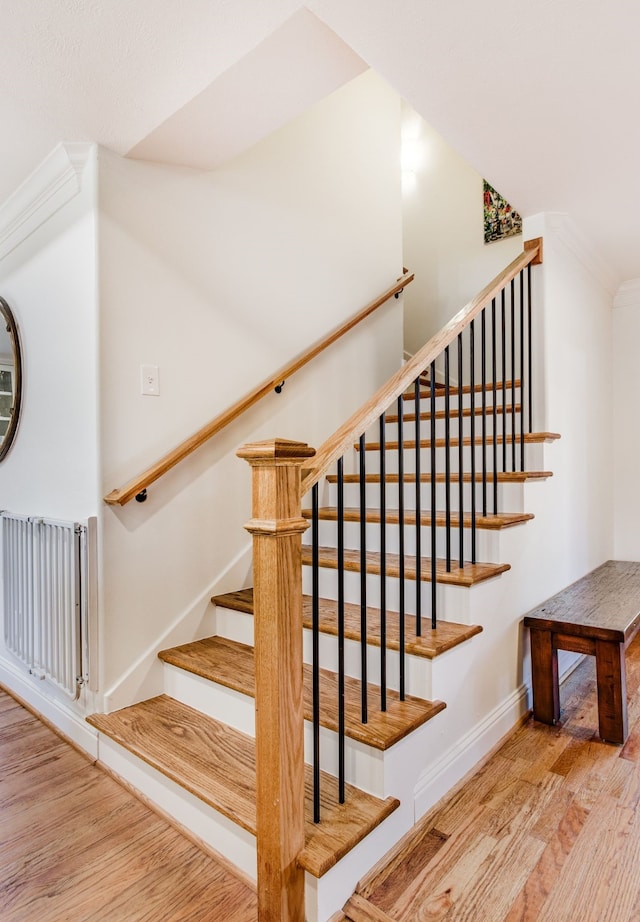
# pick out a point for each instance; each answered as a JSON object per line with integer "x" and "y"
{"x": 344, "y": 437}
{"x": 277, "y": 526}
{"x": 138, "y": 486}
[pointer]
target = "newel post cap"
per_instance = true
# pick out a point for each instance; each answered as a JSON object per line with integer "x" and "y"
{"x": 276, "y": 452}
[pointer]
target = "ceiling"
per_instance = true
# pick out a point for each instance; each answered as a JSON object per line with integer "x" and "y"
{"x": 539, "y": 97}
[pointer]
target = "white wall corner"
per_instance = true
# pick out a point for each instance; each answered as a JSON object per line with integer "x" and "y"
{"x": 52, "y": 184}
{"x": 628, "y": 294}
{"x": 565, "y": 230}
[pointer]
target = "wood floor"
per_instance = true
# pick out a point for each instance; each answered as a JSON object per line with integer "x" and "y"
{"x": 548, "y": 830}
{"x": 74, "y": 844}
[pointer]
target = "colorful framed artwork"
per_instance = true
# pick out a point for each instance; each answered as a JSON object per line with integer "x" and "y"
{"x": 500, "y": 219}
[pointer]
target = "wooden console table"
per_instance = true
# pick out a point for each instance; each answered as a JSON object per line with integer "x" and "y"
{"x": 599, "y": 615}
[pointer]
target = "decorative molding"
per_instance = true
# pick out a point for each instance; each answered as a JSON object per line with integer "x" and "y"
{"x": 55, "y": 182}
{"x": 628, "y": 294}
{"x": 565, "y": 230}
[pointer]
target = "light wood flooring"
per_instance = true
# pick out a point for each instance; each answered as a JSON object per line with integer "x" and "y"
{"x": 75, "y": 845}
{"x": 547, "y": 831}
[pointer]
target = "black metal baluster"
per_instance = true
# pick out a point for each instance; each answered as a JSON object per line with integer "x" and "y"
{"x": 363, "y": 578}
{"x": 530, "y": 379}
{"x": 418, "y": 505}
{"x": 447, "y": 458}
{"x": 504, "y": 379}
{"x": 494, "y": 373}
{"x": 401, "y": 542}
{"x": 460, "y": 454}
{"x": 383, "y": 567}
{"x": 315, "y": 633}
{"x": 341, "y": 726}
{"x": 513, "y": 377}
{"x": 472, "y": 384}
{"x": 432, "y": 375}
{"x": 483, "y": 338}
{"x": 522, "y": 381}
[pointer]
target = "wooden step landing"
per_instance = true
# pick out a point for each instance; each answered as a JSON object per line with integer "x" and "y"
{"x": 453, "y": 413}
{"x": 468, "y": 575}
{"x": 530, "y": 438}
{"x": 392, "y": 517}
{"x": 454, "y": 391}
{"x": 232, "y": 664}
{"x": 217, "y": 764}
{"x": 503, "y": 477}
{"x": 430, "y": 644}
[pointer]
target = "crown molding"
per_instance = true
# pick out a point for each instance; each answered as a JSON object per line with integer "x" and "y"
{"x": 628, "y": 294}
{"x": 52, "y": 184}
{"x": 566, "y": 231}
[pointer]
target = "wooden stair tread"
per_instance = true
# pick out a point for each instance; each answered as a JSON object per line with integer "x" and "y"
{"x": 531, "y": 438}
{"x": 454, "y": 391}
{"x": 468, "y": 575}
{"x": 359, "y": 909}
{"x": 430, "y": 644}
{"x": 453, "y": 413}
{"x": 232, "y": 664}
{"x": 502, "y": 477}
{"x": 216, "y": 764}
{"x": 392, "y": 517}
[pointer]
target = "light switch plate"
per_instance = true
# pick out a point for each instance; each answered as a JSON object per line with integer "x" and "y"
{"x": 150, "y": 381}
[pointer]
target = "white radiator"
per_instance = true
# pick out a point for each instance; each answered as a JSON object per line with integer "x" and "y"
{"x": 45, "y": 567}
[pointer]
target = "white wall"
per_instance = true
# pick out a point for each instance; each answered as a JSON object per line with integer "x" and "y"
{"x": 626, "y": 420}
{"x": 49, "y": 280}
{"x": 443, "y": 233}
{"x": 220, "y": 278}
{"x": 574, "y": 397}
{"x": 48, "y": 276}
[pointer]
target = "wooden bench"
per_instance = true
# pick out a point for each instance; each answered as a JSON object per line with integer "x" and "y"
{"x": 599, "y": 615}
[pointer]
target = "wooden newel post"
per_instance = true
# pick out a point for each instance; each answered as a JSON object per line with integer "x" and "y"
{"x": 277, "y": 526}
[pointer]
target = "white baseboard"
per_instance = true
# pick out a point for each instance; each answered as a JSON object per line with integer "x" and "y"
{"x": 468, "y": 751}
{"x": 33, "y": 693}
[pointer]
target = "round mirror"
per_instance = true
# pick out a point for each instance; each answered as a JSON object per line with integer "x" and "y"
{"x": 10, "y": 378}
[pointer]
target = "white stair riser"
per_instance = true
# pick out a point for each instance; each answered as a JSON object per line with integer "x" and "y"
{"x": 504, "y": 423}
{"x": 510, "y": 496}
{"x": 487, "y": 541}
{"x": 363, "y": 765}
{"x": 449, "y": 598}
{"x": 425, "y": 393}
{"x": 417, "y": 668}
{"x": 239, "y": 627}
{"x": 533, "y": 455}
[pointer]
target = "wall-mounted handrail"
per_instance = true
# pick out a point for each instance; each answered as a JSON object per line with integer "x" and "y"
{"x": 338, "y": 443}
{"x": 142, "y": 481}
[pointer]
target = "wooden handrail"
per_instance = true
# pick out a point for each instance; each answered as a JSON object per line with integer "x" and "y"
{"x": 338, "y": 443}
{"x": 122, "y": 495}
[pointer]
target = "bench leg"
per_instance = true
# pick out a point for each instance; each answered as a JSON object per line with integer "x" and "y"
{"x": 544, "y": 675}
{"x": 612, "y": 691}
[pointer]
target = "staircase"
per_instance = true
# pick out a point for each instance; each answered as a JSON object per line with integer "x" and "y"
{"x": 192, "y": 749}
